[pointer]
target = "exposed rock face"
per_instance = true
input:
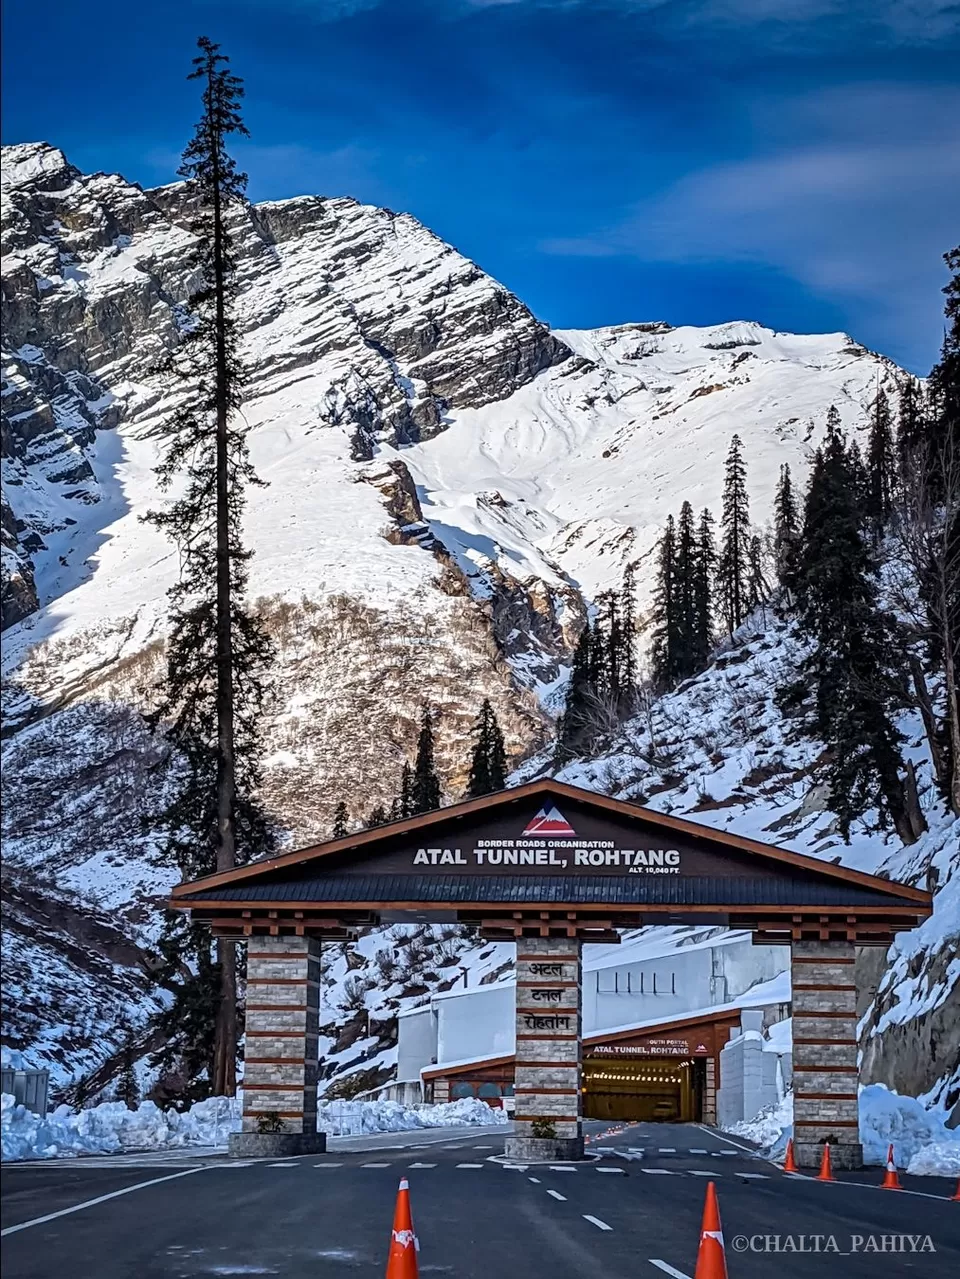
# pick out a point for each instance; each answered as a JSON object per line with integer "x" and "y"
{"x": 95, "y": 275}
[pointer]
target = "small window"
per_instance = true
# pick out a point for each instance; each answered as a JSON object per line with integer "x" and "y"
{"x": 489, "y": 1090}
{"x": 460, "y": 1090}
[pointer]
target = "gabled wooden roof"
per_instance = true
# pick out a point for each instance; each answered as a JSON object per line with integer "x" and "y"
{"x": 318, "y": 861}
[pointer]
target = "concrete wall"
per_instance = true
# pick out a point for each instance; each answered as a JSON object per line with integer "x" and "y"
{"x": 677, "y": 983}
{"x": 748, "y": 1074}
{"x": 476, "y": 1023}
{"x": 416, "y": 1044}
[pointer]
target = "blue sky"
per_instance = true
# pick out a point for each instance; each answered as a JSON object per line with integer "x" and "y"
{"x": 791, "y": 161}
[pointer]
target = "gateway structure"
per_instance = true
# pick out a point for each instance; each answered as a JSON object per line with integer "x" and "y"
{"x": 550, "y": 867}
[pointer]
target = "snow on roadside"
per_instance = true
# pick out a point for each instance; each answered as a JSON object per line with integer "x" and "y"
{"x": 111, "y": 1127}
{"x": 922, "y": 1144}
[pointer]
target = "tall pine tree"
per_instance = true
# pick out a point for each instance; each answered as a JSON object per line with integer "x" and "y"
{"x": 733, "y": 564}
{"x": 664, "y": 649}
{"x": 425, "y": 786}
{"x": 685, "y": 594}
{"x": 703, "y": 588}
{"x": 848, "y": 671}
{"x": 786, "y": 530}
{"x": 217, "y": 651}
{"x": 573, "y": 728}
{"x": 881, "y": 465}
{"x": 488, "y": 762}
{"x": 628, "y": 639}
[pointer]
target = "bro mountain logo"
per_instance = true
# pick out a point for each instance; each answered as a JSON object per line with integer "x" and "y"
{"x": 549, "y": 821}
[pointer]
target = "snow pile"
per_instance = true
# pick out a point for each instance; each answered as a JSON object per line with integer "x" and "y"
{"x": 351, "y": 1118}
{"x": 111, "y": 1127}
{"x": 922, "y": 1144}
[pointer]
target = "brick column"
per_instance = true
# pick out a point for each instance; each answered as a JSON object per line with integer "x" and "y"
{"x": 710, "y": 1092}
{"x": 825, "y": 1073}
{"x": 548, "y": 1052}
{"x": 280, "y": 1058}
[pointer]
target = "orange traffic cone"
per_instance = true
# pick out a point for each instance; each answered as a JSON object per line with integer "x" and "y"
{"x": 890, "y": 1179}
{"x": 826, "y": 1172}
{"x": 789, "y": 1163}
{"x": 711, "y": 1259}
{"x": 404, "y": 1246}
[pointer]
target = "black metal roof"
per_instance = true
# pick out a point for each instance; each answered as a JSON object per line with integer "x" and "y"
{"x": 610, "y": 890}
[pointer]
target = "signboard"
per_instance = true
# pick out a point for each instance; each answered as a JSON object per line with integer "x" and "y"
{"x": 552, "y": 839}
{"x": 700, "y": 1044}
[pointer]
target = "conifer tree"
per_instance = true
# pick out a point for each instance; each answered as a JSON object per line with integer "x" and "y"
{"x": 609, "y": 644}
{"x": 572, "y": 728}
{"x": 425, "y": 785}
{"x": 786, "y": 530}
{"x": 378, "y": 817}
{"x": 758, "y": 589}
{"x": 685, "y": 602}
{"x": 217, "y": 650}
{"x": 664, "y": 648}
{"x": 733, "y": 564}
{"x": 881, "y": 465}
{"x": 488, "y": 764}
{"x": 402, "y": 805}
{"x": 128, "y": 1087}
{"x": 341, "y": 821}
{"x": 848, "y": 671}
{"x": 911, "y": 427}
{"x": 628, "y": 639}
{"x": 703, "y": 588}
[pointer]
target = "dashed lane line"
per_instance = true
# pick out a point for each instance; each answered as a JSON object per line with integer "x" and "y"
{"x": 696, "y": 1172}
{"x": 561, "y": 1168}
{"x": 374, "y": 1165}
{"x": 618, "y": 1171}
{"x": 668, "y": 1269}
{"x": 555, "y": 1194}
{"x": 595, "y": 1221}
{"x": 91, "y": 1203}
{"x": 691, "y": 1151}
{"x": 328, "y": 1164}
{"x": 754, "y": 1176}
{"x": 668, "y": 1150}
{"x": 423, "y": 1165}
{"x": 535, "y": 1180}
{"x": 659, "y": 1172}
{"x": 469, "y": 1165}
{"x": 283, "y": 1165}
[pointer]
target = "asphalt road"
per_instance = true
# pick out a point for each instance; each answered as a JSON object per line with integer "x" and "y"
{"x": 632, "y": 1213}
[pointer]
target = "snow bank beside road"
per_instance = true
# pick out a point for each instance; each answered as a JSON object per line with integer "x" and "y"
{"x": 111, "y": 1127}
{"x": 922, "y": 1144}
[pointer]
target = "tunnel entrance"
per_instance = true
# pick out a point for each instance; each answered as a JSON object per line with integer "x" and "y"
{"x": 667, "y": 1090}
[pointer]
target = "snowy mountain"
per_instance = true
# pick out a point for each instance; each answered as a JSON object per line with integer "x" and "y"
{"x": 450, "y": 486}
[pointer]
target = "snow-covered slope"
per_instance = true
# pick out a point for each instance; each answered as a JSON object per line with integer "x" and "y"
{"x": 511, "y": 473}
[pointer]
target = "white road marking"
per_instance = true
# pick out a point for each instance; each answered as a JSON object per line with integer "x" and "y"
{"x": 328, "y": 1165}
{"x": 283, "y": 1165}
{"x": 374, "y": 1165}
{"x": 483, "y": 1147}
{"x": 535, "y": 1180}
{"x": 731, "y": 1153}
{"x": 91, "y": 1203}
{"x": 720, "y": 1137}
{"x": 595, "y": 1221}
{"x": 555, "y": 1194}
{"x": 423, "y": 1165}
{"x": 668, "y": 1269}
{"x": 753, "y": 1176}
{"x": 469, "y": 1165}
{"x": 618, "y": 1171}
{"x": 659, "y": 1172}
{"x": 691, "y": 1151}
{"x": 668, "y": 1150}
{"x": 695, "y": 1172}
{"x": 561, "y": 1168}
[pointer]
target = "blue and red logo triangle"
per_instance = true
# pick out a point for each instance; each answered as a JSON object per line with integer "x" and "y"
{"x": 549, "y": 821}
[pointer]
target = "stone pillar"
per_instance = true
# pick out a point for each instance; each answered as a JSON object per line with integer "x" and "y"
{"x": 280, "y": 1058}
{"x": 825, "y": 1073}
{"x": 710, "y": 1092}
{"x": 548, "y": 1052}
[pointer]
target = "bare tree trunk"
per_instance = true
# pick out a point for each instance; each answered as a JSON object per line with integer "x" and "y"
{"x": 914, "y": 813}
{"x": 929, "y": 718}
